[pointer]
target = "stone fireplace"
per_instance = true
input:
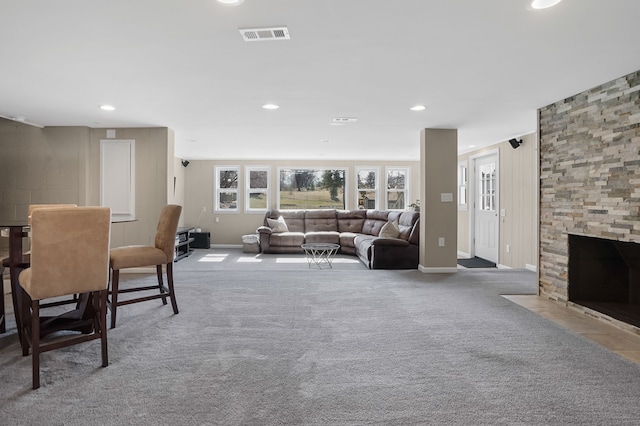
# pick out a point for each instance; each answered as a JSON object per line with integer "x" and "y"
{"x": 604, "y": 275}
{"x": 590, "y": 200}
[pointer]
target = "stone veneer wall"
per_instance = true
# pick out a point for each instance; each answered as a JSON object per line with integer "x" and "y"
{"x": 589, "y": 173}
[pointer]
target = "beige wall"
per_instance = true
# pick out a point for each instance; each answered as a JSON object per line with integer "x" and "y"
{"x": 154, "y": 165}
{"x": 62, "y": 165}
{"x": 199, "y": 190}
{"x": 518, "y": 186}
{"x": 438, "y": 155}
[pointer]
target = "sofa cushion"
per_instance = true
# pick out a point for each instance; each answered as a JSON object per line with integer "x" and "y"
{"x": 332, "y": 237}
{"x": 374, "y": 222}
{"x": 293, "y": 218}
{"x": 347, "y": 239}
{"x": 320, "y": 220}
{"x": 351, "y": 220}
{"x": 406, "y": 224}
{"x": 288, "y": 239}
{"x": 278, "y": 225}
{"x": 363, "y": 243}
{"x": 389, "y": 230}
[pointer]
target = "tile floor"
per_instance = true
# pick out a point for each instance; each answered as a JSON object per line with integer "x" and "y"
{"x": 624, "y": 343}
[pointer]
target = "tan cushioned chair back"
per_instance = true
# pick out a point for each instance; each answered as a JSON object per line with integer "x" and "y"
{"x": 32, "y": 207}
{"x": 167, "y": 227}
{"x": 69, "y": 251}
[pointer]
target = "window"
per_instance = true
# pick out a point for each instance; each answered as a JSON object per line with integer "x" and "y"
{"x": 226, "y": 196}
{"x": 257, "y": 189}
{"x": 367, "y": 187}
{"x": 397, "y": 187}
{"x": 462, "y": 186}
{"x": 302, "y": 188}
{"x": 487, "y": 194}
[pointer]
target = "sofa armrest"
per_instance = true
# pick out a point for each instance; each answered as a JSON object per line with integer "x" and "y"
{"x": 390, "y": 242}
{"x": 264, "y": 230}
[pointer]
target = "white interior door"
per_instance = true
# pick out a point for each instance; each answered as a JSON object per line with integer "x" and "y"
{"x": 485, "y": 208}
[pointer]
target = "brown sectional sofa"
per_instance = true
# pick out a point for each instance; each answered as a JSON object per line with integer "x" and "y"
{"x": 357, "y": 232}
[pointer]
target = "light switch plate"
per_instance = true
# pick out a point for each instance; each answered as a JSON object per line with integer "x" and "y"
{"x": 446, "y": 197}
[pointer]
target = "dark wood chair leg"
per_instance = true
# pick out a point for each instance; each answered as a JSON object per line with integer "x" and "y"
{"x": 102, "y": 325}
{"x": 115, "y": 277}
{"x": 160, "y": 283}
{"x": 25, "y": 304}
{"x": 172, "y": 293}
{"x": 35, "y": 342}
{"x": 3, "y": 327}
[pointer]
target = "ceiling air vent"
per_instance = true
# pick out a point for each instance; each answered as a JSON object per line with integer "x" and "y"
{"x": 265, "y": 34}
{"x": 344, "y": 120}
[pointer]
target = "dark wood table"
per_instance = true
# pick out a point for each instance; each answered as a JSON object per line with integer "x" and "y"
{"x": 17, "y": 231}
{"x": 78, "y": 319}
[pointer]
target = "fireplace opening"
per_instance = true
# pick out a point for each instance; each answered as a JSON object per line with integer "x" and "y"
{"x": 604, "y": 275}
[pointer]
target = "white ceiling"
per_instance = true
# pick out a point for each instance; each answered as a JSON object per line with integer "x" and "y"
{"x": 481, "y": 66}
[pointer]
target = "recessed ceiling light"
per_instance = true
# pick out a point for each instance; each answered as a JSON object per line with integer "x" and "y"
{"x": 418, "y": 108}
{"x": 231, "y": 2}
{"x": 543, "y": 4}
{"x": 325, "y": 140}
{"x": 270, "y": 106}
{"x": 107, "y": 108}
{"x": 472, "y": 146}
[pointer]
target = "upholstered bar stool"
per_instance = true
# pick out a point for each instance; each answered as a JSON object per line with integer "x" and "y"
{"x": 159, "y": 255}
{"x": 69, "y": 255}
{"x": 30, "y": 209}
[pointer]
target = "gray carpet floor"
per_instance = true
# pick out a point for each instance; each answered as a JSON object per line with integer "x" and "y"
{"x": 330, "y": 347}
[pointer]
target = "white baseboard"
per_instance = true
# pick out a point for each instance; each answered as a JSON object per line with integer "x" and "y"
{"x": 463, "y": 255}
{"x": 429, "y": 270}
{"x": 529, "y": 267}
{"x": 500, "y": 266}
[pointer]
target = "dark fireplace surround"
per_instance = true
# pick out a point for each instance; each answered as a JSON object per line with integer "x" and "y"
{"x": 604, "y": 275}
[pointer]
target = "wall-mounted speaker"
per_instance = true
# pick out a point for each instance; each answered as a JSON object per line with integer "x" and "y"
{"x": 185, "y": 163}
{"x": 515, "y": 143}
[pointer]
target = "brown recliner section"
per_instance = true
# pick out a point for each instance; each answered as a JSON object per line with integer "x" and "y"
{"x": 140, "y": 256}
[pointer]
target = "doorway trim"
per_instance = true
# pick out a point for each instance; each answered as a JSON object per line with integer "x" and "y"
{"x": 473, "y": 192}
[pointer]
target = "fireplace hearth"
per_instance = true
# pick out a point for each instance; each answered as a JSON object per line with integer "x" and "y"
{"x": 604, "y": 275}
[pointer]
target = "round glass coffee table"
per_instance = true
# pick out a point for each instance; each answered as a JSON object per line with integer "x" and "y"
{"x": 320, "y": 254}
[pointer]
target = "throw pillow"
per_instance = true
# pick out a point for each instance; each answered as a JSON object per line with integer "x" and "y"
{"x": 389, "y": 230}
{"x": 278, "y": 225}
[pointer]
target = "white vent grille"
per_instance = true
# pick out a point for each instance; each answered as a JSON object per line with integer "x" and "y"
{"x": 265, "y": 34}
{"x": 344, "y": 120}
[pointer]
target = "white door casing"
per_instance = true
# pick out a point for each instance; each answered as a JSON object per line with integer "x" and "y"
{"x": 485, "y": 207}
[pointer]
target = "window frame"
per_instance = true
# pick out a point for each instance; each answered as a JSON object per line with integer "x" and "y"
{"x": 345, "y": 170}
{"x": 218, "y": 190}
{"x": 376, "y": 189}
{"x": 407, "y": 185}
{"x": 463, "y": 185}
{"x": 248, "y": 190}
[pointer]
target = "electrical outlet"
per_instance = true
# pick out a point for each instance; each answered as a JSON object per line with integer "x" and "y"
{"x": 217, "y": 219}
{"x": 508, "y": 248}
{"x": 441, "y": 241}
